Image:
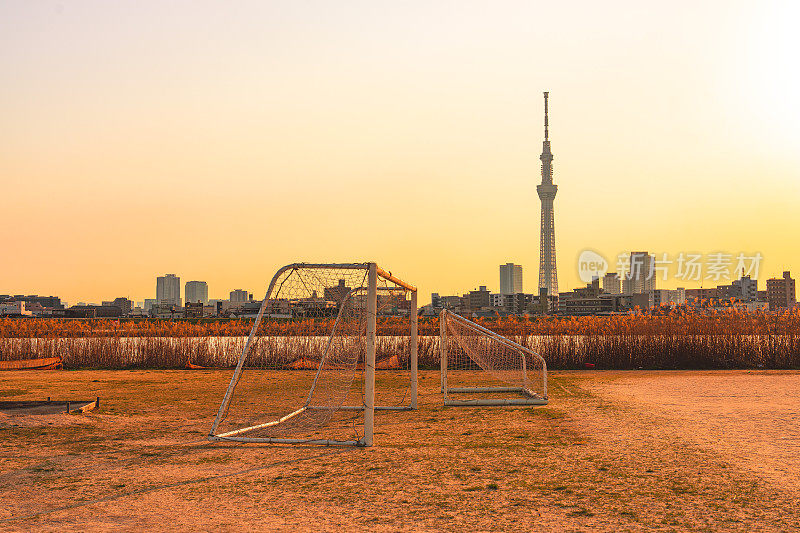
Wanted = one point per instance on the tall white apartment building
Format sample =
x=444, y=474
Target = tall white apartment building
x=168, y=290
x=640, y=277
x=196, y=292
x=510, y=278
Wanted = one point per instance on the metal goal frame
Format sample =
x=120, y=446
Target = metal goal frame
x=528, y=397
x=373, y=273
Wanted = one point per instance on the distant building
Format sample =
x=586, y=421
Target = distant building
x=239, y=296
x=701, y=294
x=543, y=304
x=498, y=300
x=591, y=289
x=15, y=308
x=640, y=278
x=278, y=307
x=196, y=292
x=168, y=290
x=124, y=304
x=93, y=311
x=590, y=300
x=193, y=310
x=745, y=288
x=451, y=303
x=249, y=309
x=611, y=283
x=148, y=304
x=726, y=292
x=510, y=278
x=669, y=297
x=519, y=303
x=479, y=298
x=336, y=293
x=781, y=292
x=166, y=311
x=642, y=300
x=584, y=301
x=49, y=302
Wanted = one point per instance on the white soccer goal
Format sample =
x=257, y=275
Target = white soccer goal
x=477, y=363
x=321, y=321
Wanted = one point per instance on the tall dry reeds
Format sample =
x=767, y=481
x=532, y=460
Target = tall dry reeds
x=679, y=339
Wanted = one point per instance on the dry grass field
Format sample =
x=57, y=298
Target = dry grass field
x=614, y=451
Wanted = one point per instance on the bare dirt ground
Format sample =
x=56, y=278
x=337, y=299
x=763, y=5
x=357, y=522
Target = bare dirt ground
x=614, y=451
x=752, y=418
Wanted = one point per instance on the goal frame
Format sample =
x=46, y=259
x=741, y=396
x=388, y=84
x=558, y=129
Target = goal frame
x=373, y=273
x=528, y=397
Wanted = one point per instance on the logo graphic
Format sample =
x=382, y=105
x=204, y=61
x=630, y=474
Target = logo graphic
x=591, y=265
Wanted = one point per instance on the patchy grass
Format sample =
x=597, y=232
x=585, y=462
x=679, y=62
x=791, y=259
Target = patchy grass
x=584, y=462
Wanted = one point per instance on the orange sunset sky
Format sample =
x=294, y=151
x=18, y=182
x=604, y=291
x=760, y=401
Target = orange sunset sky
x=221, y=140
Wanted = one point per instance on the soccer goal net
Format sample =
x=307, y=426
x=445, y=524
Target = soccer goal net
x=484, y=368
x=306, y=373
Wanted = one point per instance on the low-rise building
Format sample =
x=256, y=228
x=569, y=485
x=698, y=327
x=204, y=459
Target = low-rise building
x=336, y=293
x=698, y=295
x=497, y=301
x=669, y=297
x=602, y=304
x=93, y=311
x=745, y=288
x=781, y=292
x=148, y=304
x=193, y=310
x=49, y=302
x=611, y=283
x=518, y=303
x=166, y=311
x=125, y=305
x=15, y=308
x=479, y=299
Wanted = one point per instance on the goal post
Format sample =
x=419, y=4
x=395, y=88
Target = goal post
x=486, y=367
x=321, y=321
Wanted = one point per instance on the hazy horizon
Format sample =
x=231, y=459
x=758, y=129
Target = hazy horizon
x=220, y=142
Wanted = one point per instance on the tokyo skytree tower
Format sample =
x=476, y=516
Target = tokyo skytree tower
x=548, y=278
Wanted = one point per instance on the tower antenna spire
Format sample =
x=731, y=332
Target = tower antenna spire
x=545, y=116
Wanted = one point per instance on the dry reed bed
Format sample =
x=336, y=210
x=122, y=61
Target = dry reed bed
x=671, y=340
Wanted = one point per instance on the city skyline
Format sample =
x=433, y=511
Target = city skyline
x=670, y=137
x=639, y=275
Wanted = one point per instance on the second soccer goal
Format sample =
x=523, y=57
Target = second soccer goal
x=480, y=367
